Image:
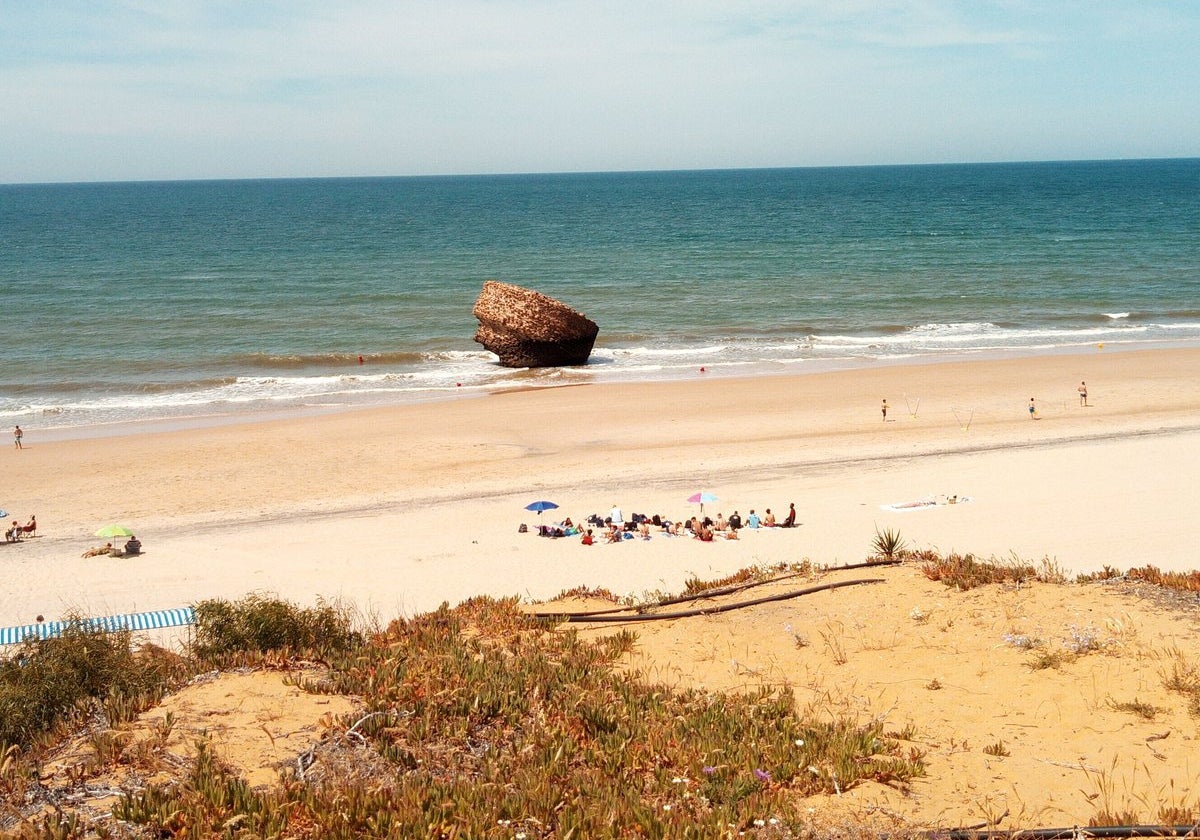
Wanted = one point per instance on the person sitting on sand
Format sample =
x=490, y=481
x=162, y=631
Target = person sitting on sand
x=14, y=533
x=706, y=534
x=97, y=552
x=133, y=545
x=790, y=520
x=753, y=520
x=769, y=519
x=722, y=524
x=735, y=521
x=731, y=534
x=644, y=529
x=587, y=538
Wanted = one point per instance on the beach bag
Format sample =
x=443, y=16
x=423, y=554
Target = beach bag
x=523, y=528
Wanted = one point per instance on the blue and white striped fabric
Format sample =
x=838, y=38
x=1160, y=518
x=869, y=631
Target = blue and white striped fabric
x=108, y=624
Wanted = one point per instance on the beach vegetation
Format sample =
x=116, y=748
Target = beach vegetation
x=1044, y=659
x=888, y=544
x=1084, y=640
x=227, y=631
x=696, y=588
x=586, y=593
x=1106, y=573
x=1146, y=711
x=1050, y=571
x=997, y=749
x=1024, y=641
x=834, y=637
x=1181, y=674
x=485, y=721
x=485, y=717
x=751, y=574
x=48, y=684
x=1079, y=641
x=966, y=571
x=1118, y=807
x=1179, y=581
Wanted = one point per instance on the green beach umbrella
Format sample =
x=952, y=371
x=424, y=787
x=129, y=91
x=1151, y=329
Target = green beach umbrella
x=114, y=531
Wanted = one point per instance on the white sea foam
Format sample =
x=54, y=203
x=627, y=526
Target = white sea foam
x=668, y=351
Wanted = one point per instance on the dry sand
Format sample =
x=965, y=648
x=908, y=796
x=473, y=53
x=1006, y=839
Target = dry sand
x=397, y=510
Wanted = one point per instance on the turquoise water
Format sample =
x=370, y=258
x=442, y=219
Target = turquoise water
x=193, y=299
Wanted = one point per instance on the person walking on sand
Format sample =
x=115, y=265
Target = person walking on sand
x=1032, y=409
x=884, y=409
x=17, y=435
x=1082, y=389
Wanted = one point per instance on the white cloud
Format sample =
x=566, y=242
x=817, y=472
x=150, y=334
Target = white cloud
x=366, y=86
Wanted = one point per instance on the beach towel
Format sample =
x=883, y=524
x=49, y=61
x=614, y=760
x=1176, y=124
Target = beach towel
x=926, y=503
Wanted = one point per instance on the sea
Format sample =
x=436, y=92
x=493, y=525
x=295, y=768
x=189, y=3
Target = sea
x=208, y=301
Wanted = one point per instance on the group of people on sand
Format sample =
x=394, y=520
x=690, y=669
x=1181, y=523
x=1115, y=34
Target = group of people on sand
x=615, y=528
x=19, y=532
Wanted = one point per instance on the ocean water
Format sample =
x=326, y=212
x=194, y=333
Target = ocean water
x=165, y=301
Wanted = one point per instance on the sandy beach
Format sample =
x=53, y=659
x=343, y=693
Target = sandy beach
x=395, y=511
x=399, y=509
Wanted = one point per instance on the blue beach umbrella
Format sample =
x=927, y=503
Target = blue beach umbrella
x=540, y=506
x=702, y=497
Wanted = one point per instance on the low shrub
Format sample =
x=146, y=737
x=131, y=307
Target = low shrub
x=227, y=631
x=966, y=571
x=45, y=682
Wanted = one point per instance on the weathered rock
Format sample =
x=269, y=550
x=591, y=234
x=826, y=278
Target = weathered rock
x=528, y=329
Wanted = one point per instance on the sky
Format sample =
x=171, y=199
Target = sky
x=98, y=90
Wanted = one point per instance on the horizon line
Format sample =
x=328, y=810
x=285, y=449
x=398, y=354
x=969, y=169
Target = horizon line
x=566, y=172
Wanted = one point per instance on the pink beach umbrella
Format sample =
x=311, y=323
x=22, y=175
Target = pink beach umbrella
x=702, y=497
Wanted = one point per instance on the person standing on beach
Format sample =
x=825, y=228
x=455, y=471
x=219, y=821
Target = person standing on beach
x=1082, y=389
x=884, y=409
x=1032, y=409
x=17, y=435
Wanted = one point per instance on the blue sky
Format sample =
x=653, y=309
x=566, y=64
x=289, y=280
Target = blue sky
x=96, y=91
